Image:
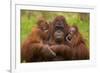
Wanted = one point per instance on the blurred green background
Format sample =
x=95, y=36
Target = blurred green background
x=29, y=19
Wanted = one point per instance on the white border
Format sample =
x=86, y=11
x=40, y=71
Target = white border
x=16, y=66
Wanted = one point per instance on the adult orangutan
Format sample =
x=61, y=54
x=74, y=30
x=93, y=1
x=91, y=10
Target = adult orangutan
x=58, y=30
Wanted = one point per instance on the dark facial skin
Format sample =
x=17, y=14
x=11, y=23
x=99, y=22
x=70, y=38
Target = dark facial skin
x=58, y=35
x=59, y=28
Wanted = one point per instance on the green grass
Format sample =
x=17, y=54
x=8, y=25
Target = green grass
x=29, y=19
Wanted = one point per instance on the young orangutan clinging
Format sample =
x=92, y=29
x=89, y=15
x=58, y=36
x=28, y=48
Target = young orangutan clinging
x=78, y=46
x=34, y=48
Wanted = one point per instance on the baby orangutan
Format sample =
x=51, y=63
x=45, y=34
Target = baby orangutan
x=78, y=46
